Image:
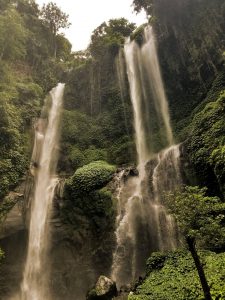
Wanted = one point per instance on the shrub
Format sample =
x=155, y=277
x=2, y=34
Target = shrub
x=90, y=177
x=94, y=154
x=155, y=262
x=76, y=158
x=177, y=278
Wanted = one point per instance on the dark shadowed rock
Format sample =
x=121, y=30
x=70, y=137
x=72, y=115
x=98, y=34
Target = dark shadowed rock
x=105, y=289
x=130, y=171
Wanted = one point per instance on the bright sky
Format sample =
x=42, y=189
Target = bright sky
x=86, y=15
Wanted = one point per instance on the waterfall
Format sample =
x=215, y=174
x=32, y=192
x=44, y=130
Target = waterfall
x=121, y=76
x=151, y=64
x=43, y=167
x=166, y=177
x=143, y=224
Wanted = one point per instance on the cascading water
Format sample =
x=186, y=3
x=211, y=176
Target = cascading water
x=143, y=224
x=151, y=71
x=121, y=75
x=166, y=177
x=44, y=162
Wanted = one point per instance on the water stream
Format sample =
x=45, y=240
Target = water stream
x=44, y=161
x=144, y=225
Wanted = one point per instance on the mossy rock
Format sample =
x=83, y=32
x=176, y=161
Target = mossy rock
x=138, y=35
x=90, y=177
x=105, y=289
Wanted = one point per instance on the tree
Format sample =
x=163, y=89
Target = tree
x=55, y=19
x=13, y=35
x=27, y=8
x=4, y=4
x=110, y=35
x=218, y=161
x=200, y=218
x=63, y=48
x=166, y=12
x=147, y=5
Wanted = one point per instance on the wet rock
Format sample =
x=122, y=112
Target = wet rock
x=125, y=288
x=12, y=214
x=105, y=289
x=131, y=171
x=122, y=297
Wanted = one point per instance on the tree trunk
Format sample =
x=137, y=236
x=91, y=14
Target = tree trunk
x=55, y=47
x=191, y=246
x=54, y=41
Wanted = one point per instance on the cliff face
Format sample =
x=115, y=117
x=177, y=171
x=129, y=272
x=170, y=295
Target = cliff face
x=97, y=123
x=28, y=71
x=191, y=44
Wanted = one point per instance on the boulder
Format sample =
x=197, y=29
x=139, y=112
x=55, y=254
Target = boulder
x=105, y=289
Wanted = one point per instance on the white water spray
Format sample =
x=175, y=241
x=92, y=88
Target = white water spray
x=150, y=63
x=35, y=279
x=144, y=224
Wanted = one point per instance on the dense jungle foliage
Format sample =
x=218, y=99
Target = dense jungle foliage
x=173, y=276
x=29, y=68
x=93, y=97
x=97, y=131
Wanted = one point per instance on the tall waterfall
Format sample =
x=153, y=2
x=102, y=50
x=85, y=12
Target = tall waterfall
x=44, y=161
x=143, y=225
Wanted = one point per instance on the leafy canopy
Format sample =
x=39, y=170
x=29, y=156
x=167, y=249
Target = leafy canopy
x=147, y=5
x=54, y=17
x=110, y=35
x=13, y=35
x=199, y=216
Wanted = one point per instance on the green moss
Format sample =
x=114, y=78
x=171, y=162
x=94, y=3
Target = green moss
x=6, y=205
x=206, y=142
